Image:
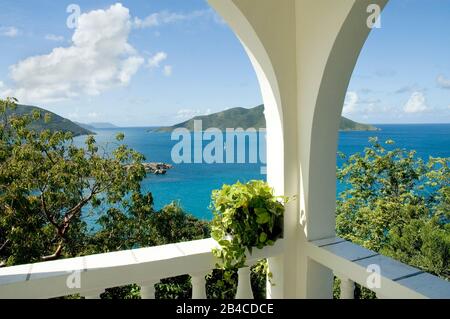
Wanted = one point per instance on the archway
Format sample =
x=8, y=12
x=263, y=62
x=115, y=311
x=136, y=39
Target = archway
x=304, y=54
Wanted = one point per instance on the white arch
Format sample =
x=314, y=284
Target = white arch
x=304, y=52
x=268, y=84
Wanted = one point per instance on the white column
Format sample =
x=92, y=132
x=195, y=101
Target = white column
x=93, y=294
x=244, y=288
x=198, y=282
x=347, y=288
x=303, y=76
x=148, y=290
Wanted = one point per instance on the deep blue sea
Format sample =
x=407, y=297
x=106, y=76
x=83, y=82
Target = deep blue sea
x=191, y=184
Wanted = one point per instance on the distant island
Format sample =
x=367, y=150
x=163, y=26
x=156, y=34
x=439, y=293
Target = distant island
x=96, y=125
x=57, y=123
x=249, y=118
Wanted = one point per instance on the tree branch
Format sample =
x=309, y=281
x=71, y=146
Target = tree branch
x=49, y=216
x=56, y=254
x=4, y=245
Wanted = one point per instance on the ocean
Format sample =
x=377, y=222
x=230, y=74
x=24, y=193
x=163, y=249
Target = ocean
x=191, y=184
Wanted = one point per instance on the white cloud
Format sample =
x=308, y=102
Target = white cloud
x=166, y=17
x=155, y=60
x=10, y=32
x=416, y=103
x=443, y=82
x=93, y=115
x=100, y=58
x=53, y=37
x=167, y=70
x=5, y=91
x=351, y=101
x=129, y=67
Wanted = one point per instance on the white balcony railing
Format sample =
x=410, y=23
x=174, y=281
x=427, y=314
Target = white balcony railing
x=145, y=267
x=89, y=276
x=385, y=276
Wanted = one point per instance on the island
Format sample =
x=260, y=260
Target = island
x=56, y=123
x=155, y=168
x=248, y=118
x=97, y=125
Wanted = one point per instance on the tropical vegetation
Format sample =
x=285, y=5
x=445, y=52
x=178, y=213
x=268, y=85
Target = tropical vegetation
x=392, y=202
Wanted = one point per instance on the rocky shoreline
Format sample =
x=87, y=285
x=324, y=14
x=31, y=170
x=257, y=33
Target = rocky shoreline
x=157, y=168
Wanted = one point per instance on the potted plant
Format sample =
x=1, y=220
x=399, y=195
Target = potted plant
x=246, y=216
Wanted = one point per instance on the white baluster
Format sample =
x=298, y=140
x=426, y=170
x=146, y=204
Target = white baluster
x=198, y=282
x=148, y=290
x=347, y=288
x=93, y=294
x=244, y=288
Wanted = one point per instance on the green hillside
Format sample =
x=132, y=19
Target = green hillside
x=246, y=118
x=57, y=123
x=349, y=125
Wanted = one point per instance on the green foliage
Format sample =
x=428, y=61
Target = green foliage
x=47, y=183
x=222, y=283
x=245, y=216
x=48, y=186
x=125, y=292
x=398, y=205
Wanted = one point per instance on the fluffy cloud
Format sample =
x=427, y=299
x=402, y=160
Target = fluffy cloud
x=100, y=58
x=443, y=82
x=167, y=70
x=5, y=91
x=53, y=37
x=165, y=17
x=351, y=101
x=416, y=103
x=10, y=32
x=155, y=61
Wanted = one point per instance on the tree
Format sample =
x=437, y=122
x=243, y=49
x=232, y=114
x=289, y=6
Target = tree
x=398, y=205
x=47, y=183
x=48, y=186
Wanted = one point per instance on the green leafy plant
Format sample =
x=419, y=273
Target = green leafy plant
x=245, y=216
x=398, y=205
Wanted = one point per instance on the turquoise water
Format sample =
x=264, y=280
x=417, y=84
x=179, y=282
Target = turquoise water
x=191, y=184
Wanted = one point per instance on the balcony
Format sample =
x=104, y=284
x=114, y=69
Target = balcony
x=303, y=53
x=146, y=266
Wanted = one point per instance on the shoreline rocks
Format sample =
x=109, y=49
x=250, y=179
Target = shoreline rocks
x=157, y=168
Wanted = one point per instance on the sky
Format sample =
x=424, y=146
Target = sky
x=160, y=62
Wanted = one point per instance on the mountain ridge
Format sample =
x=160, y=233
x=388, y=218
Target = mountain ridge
x=57, y=122
x=249, y=118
